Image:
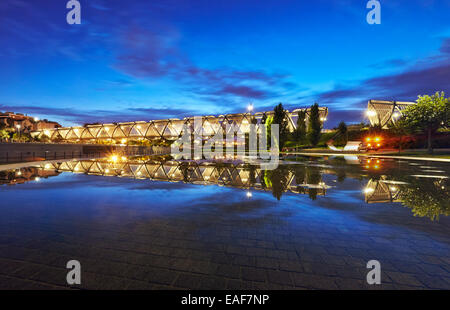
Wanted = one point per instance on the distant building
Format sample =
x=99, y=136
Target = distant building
x=25, y=123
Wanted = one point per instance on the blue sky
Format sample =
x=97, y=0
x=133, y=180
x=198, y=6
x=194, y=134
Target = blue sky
x=141, y=60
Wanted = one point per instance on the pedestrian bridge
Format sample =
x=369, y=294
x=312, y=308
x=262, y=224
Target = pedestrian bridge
x=168, y=129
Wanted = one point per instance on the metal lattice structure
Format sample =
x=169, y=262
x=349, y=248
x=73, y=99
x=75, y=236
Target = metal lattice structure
x=380, y=191
x=382, y=112
x=206, y=173
x=169, y=129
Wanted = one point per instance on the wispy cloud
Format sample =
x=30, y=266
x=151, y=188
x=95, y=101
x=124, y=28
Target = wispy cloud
x=77, y=116
x=425, y=76
x=148, y=54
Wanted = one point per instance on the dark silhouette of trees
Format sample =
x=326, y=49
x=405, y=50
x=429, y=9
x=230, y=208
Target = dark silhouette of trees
x=315, y=125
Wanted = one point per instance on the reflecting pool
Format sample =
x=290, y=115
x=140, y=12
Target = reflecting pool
x=159, y=223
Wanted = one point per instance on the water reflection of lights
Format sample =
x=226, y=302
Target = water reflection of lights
x=430, y=176
x=373, y=164
x=249, y=194
x=37, y=179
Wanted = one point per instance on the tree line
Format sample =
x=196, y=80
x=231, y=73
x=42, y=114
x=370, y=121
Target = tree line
x=308, y=131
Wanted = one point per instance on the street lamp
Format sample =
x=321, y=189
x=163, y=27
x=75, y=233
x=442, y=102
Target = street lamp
x=250, y=107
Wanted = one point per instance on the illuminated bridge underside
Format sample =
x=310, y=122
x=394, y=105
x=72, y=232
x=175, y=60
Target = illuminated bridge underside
x=383, y=112
x=168, y=129
x=234, y=175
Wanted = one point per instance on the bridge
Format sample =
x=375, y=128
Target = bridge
x=380, y=112
x=168, y=129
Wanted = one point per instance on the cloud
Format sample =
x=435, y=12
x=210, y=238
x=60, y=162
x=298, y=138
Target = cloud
x=445, y=47
x=389, y=64
x=102, y=116
x=147, y=54
x=424, y=77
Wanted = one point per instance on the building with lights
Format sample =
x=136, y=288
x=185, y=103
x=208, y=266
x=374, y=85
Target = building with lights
x=25, y=123
x=381, y=112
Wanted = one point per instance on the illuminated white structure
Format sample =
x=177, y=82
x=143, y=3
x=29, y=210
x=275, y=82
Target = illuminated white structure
x=381, y=112
x=168, y=129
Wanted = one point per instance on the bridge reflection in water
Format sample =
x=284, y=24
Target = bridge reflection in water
x=238, y=175
x=387, y=180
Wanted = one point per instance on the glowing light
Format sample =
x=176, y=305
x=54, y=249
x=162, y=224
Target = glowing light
x=106, y=170
x=393, y=188
x=368, y=139
x=36, y=119
x=250, y=107
x=123, y=158
x=249, y=195
x=18, y=126
x=377, y=139
x=376, y=166
x=46, y=132
x=371, y=113
x=368, y=190
x=37, y=179
x=114, y=158
x=19, y=173
x=47, y=166
x=123, y=141
x=396, y=115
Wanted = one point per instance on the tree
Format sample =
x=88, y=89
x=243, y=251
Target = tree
x=400, y=130
x=280, y=118
x=314, y=126
x=343, y=130
x=268, y=123
x=4, y=135
x=428, y=115
x=300, y=132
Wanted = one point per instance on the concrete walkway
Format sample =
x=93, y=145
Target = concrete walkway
x=447, y=160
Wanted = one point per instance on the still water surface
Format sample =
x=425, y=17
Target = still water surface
x=149, y=223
